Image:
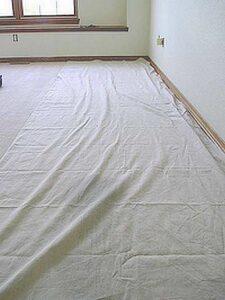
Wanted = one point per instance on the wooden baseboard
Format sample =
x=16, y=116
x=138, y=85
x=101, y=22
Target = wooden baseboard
x=213, y=135
x=20, y=60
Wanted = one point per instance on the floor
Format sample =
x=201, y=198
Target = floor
x=23, y=88
x=108, y=190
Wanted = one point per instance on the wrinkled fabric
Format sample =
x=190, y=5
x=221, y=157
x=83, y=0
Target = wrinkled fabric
x=108, y=193
x=23, y=87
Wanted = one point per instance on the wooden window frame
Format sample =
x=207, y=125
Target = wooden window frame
x=19, y=18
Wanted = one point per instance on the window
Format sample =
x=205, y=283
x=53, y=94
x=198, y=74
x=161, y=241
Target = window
x=6, y=9
x=31, y=12
x=48, y=8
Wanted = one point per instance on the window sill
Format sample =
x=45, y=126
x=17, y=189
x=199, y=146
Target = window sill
x=60, y=28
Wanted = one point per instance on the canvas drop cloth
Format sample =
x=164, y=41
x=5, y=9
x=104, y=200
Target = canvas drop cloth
x=108, y=193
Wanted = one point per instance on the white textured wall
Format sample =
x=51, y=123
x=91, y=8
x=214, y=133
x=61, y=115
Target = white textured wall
x=135, y=42
x=103, y=12
x=194, y=54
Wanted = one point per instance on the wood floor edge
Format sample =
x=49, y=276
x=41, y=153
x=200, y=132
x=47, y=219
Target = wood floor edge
x=191, y=109
x=20, y=60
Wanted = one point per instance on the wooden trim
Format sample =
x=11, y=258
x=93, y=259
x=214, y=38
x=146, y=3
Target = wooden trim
x=60, y=28
x=212, y=134
x=16, y=4
x=38, y=20
x=18, y=60
x=76, y=8
x=102, y=28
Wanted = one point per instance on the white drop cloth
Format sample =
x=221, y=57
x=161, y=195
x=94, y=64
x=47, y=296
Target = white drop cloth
x=108, y=193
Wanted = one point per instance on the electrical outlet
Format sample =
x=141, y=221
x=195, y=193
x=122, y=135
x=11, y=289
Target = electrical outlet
x=160, y=41
x=15, y=38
